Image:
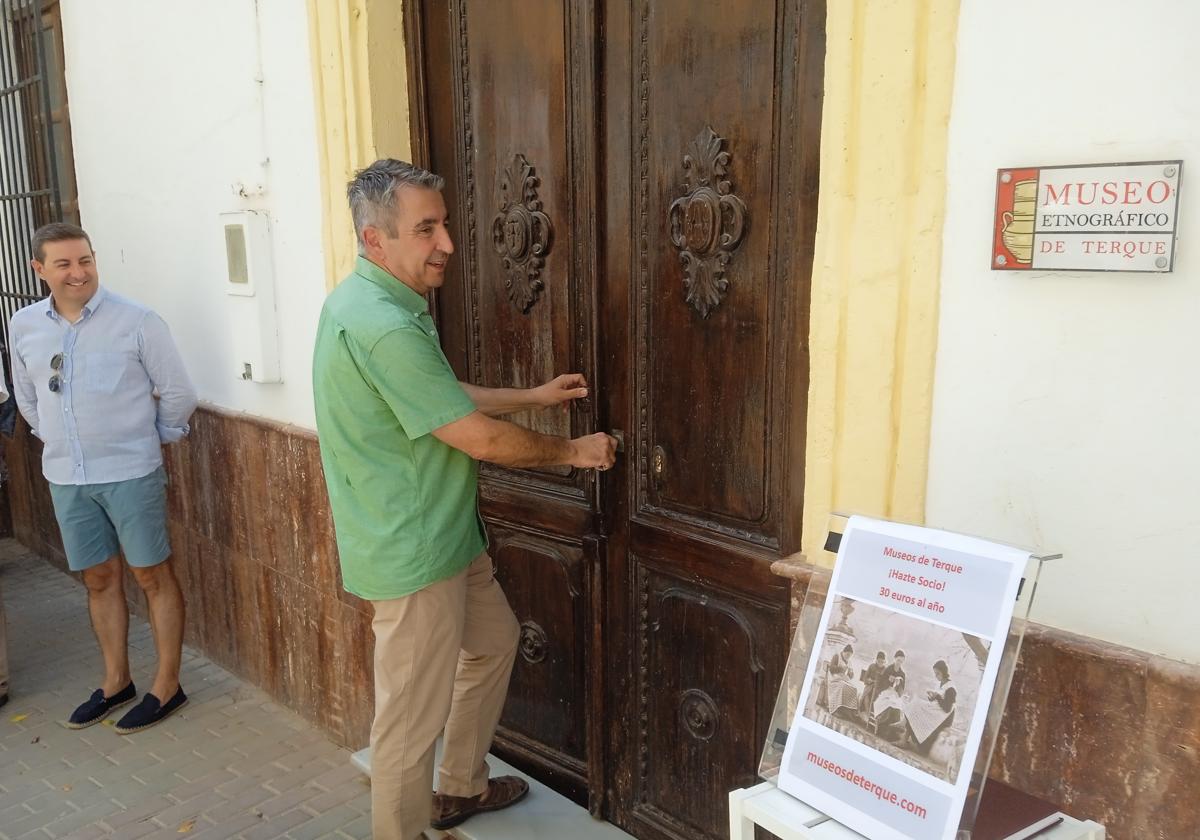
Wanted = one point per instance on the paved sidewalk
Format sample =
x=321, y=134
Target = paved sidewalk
x=230, y=764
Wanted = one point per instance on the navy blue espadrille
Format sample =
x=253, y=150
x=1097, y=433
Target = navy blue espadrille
x=149, y=712
x=98, y=707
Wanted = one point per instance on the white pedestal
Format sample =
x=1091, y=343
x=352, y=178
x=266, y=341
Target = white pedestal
x=790, y=819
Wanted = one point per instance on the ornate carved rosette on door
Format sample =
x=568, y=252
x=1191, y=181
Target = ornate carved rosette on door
x=522, y=234
x=707, y=224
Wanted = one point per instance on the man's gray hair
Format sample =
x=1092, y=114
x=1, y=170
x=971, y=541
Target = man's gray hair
x=372, y=193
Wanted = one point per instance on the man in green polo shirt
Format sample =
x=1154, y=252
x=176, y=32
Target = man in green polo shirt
x=400, y=440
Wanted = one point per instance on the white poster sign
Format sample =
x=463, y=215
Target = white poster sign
x=896, y=695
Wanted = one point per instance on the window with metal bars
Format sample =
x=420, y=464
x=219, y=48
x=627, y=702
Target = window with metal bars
x=37, y=170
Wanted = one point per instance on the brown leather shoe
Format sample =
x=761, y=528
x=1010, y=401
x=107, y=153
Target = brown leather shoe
x=502, y=791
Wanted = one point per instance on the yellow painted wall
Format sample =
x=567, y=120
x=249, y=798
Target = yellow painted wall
x=361, y=97
x=888, y=80
x=889, y=73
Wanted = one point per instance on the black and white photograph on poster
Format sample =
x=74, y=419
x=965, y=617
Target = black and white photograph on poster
x=903, y=686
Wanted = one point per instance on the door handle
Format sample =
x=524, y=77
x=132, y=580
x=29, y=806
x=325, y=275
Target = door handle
x=620, y=436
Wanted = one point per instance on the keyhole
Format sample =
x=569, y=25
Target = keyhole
x=659, y=460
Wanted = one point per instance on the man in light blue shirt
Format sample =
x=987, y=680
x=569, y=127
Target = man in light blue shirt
x=99, y=381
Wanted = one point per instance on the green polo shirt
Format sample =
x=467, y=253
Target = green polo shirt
x=404, y=503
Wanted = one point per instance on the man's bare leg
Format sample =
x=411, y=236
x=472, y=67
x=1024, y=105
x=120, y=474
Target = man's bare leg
x=110, y=621
x=166, y=607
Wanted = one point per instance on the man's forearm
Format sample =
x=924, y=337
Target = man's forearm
x=510, y=445
x=25, y=393
x=495, y=402
x=175, y=407
x=31, y=417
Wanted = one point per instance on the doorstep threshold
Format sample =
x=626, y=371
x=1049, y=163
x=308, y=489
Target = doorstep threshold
x=544, y=814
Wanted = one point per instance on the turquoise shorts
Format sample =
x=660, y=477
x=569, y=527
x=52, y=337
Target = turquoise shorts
x=98, y=520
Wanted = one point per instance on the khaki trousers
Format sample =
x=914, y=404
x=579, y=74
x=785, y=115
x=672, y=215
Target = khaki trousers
x=443, y=656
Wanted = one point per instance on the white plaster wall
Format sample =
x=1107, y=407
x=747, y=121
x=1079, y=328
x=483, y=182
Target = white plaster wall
x=166, y=116
x=1067, y=405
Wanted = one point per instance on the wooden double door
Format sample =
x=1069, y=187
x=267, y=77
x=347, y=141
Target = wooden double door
x=634, y=189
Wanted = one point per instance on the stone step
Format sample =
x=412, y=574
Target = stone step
x=543, y=815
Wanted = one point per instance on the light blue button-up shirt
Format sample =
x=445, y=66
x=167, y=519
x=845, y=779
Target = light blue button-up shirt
x=104, y=423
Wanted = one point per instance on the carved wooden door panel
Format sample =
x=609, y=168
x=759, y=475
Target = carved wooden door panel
x=711, y=139
x=634, y=187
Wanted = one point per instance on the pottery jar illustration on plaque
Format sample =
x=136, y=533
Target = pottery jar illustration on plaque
x=1018, y=224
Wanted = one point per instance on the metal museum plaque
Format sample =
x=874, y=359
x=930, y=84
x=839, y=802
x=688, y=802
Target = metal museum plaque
x=1091, y=217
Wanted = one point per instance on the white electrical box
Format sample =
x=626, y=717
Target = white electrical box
x=250, y=294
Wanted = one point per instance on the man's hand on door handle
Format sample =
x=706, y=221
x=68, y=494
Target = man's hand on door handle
x=561, y=390
x=598, y=451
